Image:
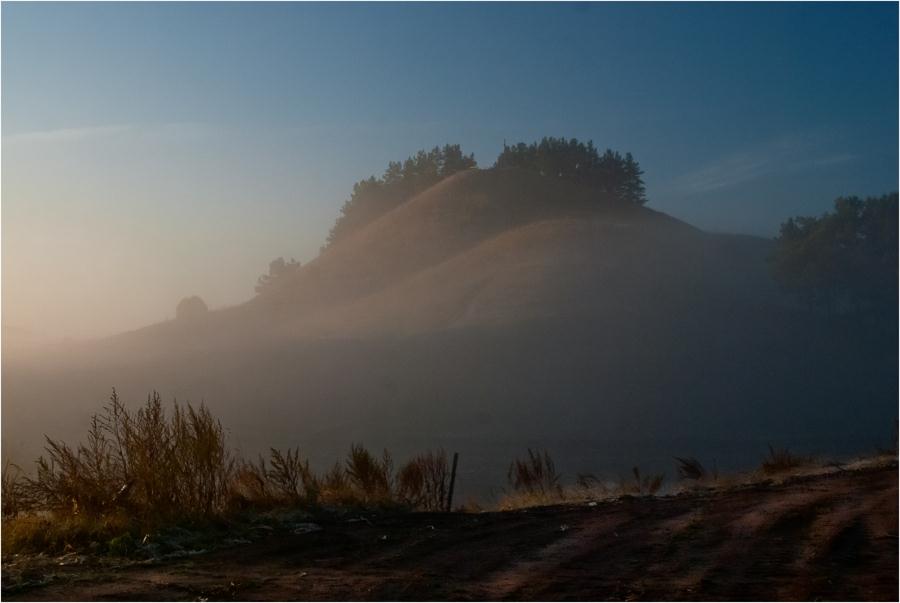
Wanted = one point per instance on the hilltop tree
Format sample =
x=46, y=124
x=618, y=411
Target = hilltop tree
x=401, y=180
x=613, y=174
x=278, y=270
x=845, y=260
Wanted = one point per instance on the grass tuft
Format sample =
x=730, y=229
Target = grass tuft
x=536, y=475
x=641, y=485
x=690, y=468
x=781, y=460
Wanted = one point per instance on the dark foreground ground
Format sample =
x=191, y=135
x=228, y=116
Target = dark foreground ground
x=832, y=537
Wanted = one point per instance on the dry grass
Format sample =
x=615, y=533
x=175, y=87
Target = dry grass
x=689, y=468
x=136, y=471
x=362, y=481
x=535, y=482
x=782, y=460
x=336, y=488
x=104, y=495
x=287, y=480
x=641, y=485
x=292, y=478
x=589, y=487
x=153, y=465
x=535, y=475
x=160, y=468
x=370, y=478
x=141, y=471
x=423, y=482
x=15, y=496
x=250, y=486
x=55, y=533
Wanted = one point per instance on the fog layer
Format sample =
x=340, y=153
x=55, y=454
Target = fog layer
x=497, y=306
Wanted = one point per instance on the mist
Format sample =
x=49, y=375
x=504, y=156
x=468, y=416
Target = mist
x=106, y=229
x=493, y=310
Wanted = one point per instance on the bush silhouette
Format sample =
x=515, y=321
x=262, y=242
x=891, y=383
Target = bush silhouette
x=190, y=308
x=279, y=271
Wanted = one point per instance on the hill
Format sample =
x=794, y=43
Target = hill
x=488, y=247
x=496, y=308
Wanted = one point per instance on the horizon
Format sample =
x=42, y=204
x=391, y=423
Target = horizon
x=166, y=150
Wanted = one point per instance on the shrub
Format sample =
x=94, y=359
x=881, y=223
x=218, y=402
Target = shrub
x=153, y=465
x=371, y=479
x=202, y=465
x=81, y=480
x=336, y=488
x=423, y=482
x=191, y=308
x=279, y=273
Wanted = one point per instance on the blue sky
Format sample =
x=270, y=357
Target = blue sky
x=170, y=149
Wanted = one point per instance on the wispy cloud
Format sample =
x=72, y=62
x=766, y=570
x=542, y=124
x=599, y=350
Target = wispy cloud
x=779, y=156
x=67, y=134
x=724, y=173
x=826, y=161
x=80, y=134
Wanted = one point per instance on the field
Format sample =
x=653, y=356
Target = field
x=827, y=535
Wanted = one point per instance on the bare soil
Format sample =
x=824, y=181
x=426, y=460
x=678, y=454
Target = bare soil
x=824, y=537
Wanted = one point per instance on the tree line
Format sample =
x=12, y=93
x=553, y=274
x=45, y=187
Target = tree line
x=844, y=261
x=616, y=177
x=613, y=174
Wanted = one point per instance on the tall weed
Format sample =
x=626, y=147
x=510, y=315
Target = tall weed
x=535, y=475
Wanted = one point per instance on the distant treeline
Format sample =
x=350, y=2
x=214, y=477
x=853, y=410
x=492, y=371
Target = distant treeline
x=844, y=261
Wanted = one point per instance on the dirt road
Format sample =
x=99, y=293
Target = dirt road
x=826, y=537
